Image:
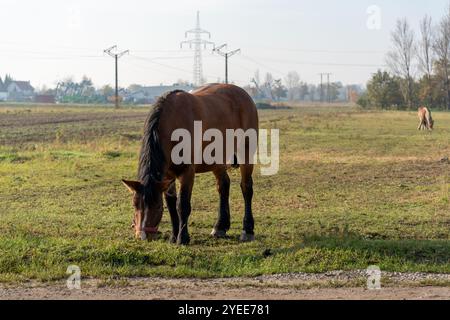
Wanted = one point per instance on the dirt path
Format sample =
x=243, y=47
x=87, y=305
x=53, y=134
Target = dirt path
x=334, y=286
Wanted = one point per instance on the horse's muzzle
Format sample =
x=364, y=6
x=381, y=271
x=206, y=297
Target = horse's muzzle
x=141, y=236
x=148, y=234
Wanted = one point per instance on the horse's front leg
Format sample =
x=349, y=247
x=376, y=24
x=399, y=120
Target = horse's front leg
x=171, y=201
x=184, y=205
x=248, y=234
x=420, y=125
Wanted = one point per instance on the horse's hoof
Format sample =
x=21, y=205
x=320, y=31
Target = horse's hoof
x=184, y=240
x=246, y=237
x=218, y=234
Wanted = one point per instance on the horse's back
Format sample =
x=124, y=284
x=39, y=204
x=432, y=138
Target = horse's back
x=228, y=92
x=227, y=103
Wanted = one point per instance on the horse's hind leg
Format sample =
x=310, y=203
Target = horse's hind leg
x=422, y=126
x=184, y=205
x=223, y=187
x=248, y=233
x=171, y=201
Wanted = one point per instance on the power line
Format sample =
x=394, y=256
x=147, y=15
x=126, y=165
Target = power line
x=167, y=66
x=315, y=50
x=163, y=58
x=116, y=57
x=263, y=65
x=332, y=64
x=140, y=67
x=15, y=56
x=160, y=64
x=158, y=51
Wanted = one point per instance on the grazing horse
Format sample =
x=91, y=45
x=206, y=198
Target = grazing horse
x=219, y=107
x=425, y=118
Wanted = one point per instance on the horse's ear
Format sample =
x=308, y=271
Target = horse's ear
x=132, y=186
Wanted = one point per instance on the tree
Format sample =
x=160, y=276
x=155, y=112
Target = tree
x=442, y=50
x=8, y=80
x=383, y=91
x=363, y=101
x=425, y=52
x=107, y=91
x=400, y=59
x=69, y=91
x=257, y=78
x=293, y=84
x=268, y=84
x=186, y=83
x=426, y=59
x=260, y=94
x=312, y=92
x=135, y=87
x=278, y=90
x=334, y=90
x=303, y=91
x=86, y=89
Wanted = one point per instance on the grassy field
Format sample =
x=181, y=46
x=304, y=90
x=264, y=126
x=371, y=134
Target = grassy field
x=355, y=189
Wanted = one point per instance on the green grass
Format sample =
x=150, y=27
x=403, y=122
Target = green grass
x=355, y=189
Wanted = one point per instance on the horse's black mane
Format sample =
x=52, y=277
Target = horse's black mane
x=152, y=160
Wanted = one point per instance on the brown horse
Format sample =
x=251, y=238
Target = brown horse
x=426, y=121
x=219, y=107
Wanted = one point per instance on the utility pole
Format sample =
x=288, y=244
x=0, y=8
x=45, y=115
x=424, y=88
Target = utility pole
x=321, y=87
x=198, y=42
x=227, y=55
x=116, y=57
x=328, y=86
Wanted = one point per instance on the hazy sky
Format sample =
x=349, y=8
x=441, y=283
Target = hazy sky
x=48, y=40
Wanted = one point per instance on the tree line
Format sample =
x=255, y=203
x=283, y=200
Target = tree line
x=293, y=89
x=418, y=68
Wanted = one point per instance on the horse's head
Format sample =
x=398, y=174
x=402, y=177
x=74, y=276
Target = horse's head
x=148, y=209
x=431, y=124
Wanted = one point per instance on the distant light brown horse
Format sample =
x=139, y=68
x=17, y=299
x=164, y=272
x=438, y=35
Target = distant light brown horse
x=218, y=107
x=426, y=121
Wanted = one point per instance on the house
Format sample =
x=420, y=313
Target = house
x=3, y=91
x=148, y=95
x=20, y=91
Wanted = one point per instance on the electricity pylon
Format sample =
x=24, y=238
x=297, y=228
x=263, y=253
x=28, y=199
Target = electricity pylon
x=198, y=43
x=328, y=87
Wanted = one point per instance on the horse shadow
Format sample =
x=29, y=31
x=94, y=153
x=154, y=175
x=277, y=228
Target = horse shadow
x=407, y=252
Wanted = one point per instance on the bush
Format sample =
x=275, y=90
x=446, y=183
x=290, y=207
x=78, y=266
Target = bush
x=363, y=101
x=268, y=106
